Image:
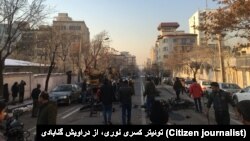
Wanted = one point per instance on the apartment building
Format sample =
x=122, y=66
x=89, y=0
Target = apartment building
x=194, y=22
x=171, y=39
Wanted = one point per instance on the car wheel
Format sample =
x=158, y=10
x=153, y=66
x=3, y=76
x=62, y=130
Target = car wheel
x=235, y=99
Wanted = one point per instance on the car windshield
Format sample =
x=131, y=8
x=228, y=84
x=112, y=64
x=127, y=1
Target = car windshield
x=62, y=88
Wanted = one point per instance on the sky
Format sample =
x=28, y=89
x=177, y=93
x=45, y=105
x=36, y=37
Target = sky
x=131, y=24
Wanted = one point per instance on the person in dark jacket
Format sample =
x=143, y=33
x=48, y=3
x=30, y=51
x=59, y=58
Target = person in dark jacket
x=151, y=93
x=125, y=97
x=21, y=90
x=34, y=95
x=177, y=87
x=14, y=91
x=6, y=92
x=243, y=111
x=47, y=110
x=159, y=113
x=220, y=100
x=106, y=97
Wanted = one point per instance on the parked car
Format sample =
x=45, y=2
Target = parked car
x=228, y=87
x=243, y=94
x=65, y=93
x=205, y=84
x=168, y=81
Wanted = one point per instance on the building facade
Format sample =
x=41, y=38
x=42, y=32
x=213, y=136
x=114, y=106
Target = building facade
x=194, y=22
x=170, y=40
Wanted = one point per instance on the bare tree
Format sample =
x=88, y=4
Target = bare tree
x=193, y=59
x=65, y=43
x=15, y=17
x=52, y=51
x=93, y=50
x=233, y=16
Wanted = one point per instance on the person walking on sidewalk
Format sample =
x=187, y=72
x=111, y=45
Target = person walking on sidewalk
x=14, y=91
x=220, y=100
x=34, y=95
x=125, y=97
x=195, y=91
x=177, y=87
x=106, y=97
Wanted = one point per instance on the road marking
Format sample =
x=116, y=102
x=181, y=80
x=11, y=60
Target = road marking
x=142, y=102
x=31, y=129
x=69, y=114
x=236, y=121
x=60, y=114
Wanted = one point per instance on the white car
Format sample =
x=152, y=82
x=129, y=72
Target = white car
x=228, y=87
x=243, y=94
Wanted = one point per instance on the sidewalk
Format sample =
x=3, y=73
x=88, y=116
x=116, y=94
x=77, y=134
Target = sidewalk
x=25, y=103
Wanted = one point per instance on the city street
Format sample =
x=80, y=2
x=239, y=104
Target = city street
x=71, y=115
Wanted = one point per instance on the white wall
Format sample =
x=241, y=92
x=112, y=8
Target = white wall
x=33, y=79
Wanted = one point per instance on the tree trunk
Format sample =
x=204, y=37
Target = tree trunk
x=1, y=78
x=51, y=67
x=195, y=72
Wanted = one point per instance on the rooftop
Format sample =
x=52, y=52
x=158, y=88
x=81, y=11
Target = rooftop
x=13, y=62
x=168, y=24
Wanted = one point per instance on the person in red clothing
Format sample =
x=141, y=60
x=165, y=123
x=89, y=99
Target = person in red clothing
x=196, y=93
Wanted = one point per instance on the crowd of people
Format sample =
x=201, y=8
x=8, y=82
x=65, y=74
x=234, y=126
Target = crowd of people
x=17, y=90
x=123, y=91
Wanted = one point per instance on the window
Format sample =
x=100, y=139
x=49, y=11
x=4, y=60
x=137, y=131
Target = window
x=164, y=48
x=183, y=40
x=63, y=27
x=243, y=52
x=74, y=27
x=225, y=86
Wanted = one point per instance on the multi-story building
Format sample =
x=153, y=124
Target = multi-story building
x=79, y=33
x=194, y=22
x=169, y=40
x=129, y=63
x=64, y=23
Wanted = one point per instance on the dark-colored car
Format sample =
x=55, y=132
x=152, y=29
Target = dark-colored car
x=65, y=93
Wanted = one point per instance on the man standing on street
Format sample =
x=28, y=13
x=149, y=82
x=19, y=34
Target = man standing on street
x=196, y=93
x=34, y=95
x=177, y=87
x=150, y=92
x=106, y=97
x=220, y=100
x=125, y=97
x=21, y=90
x=47, y=111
